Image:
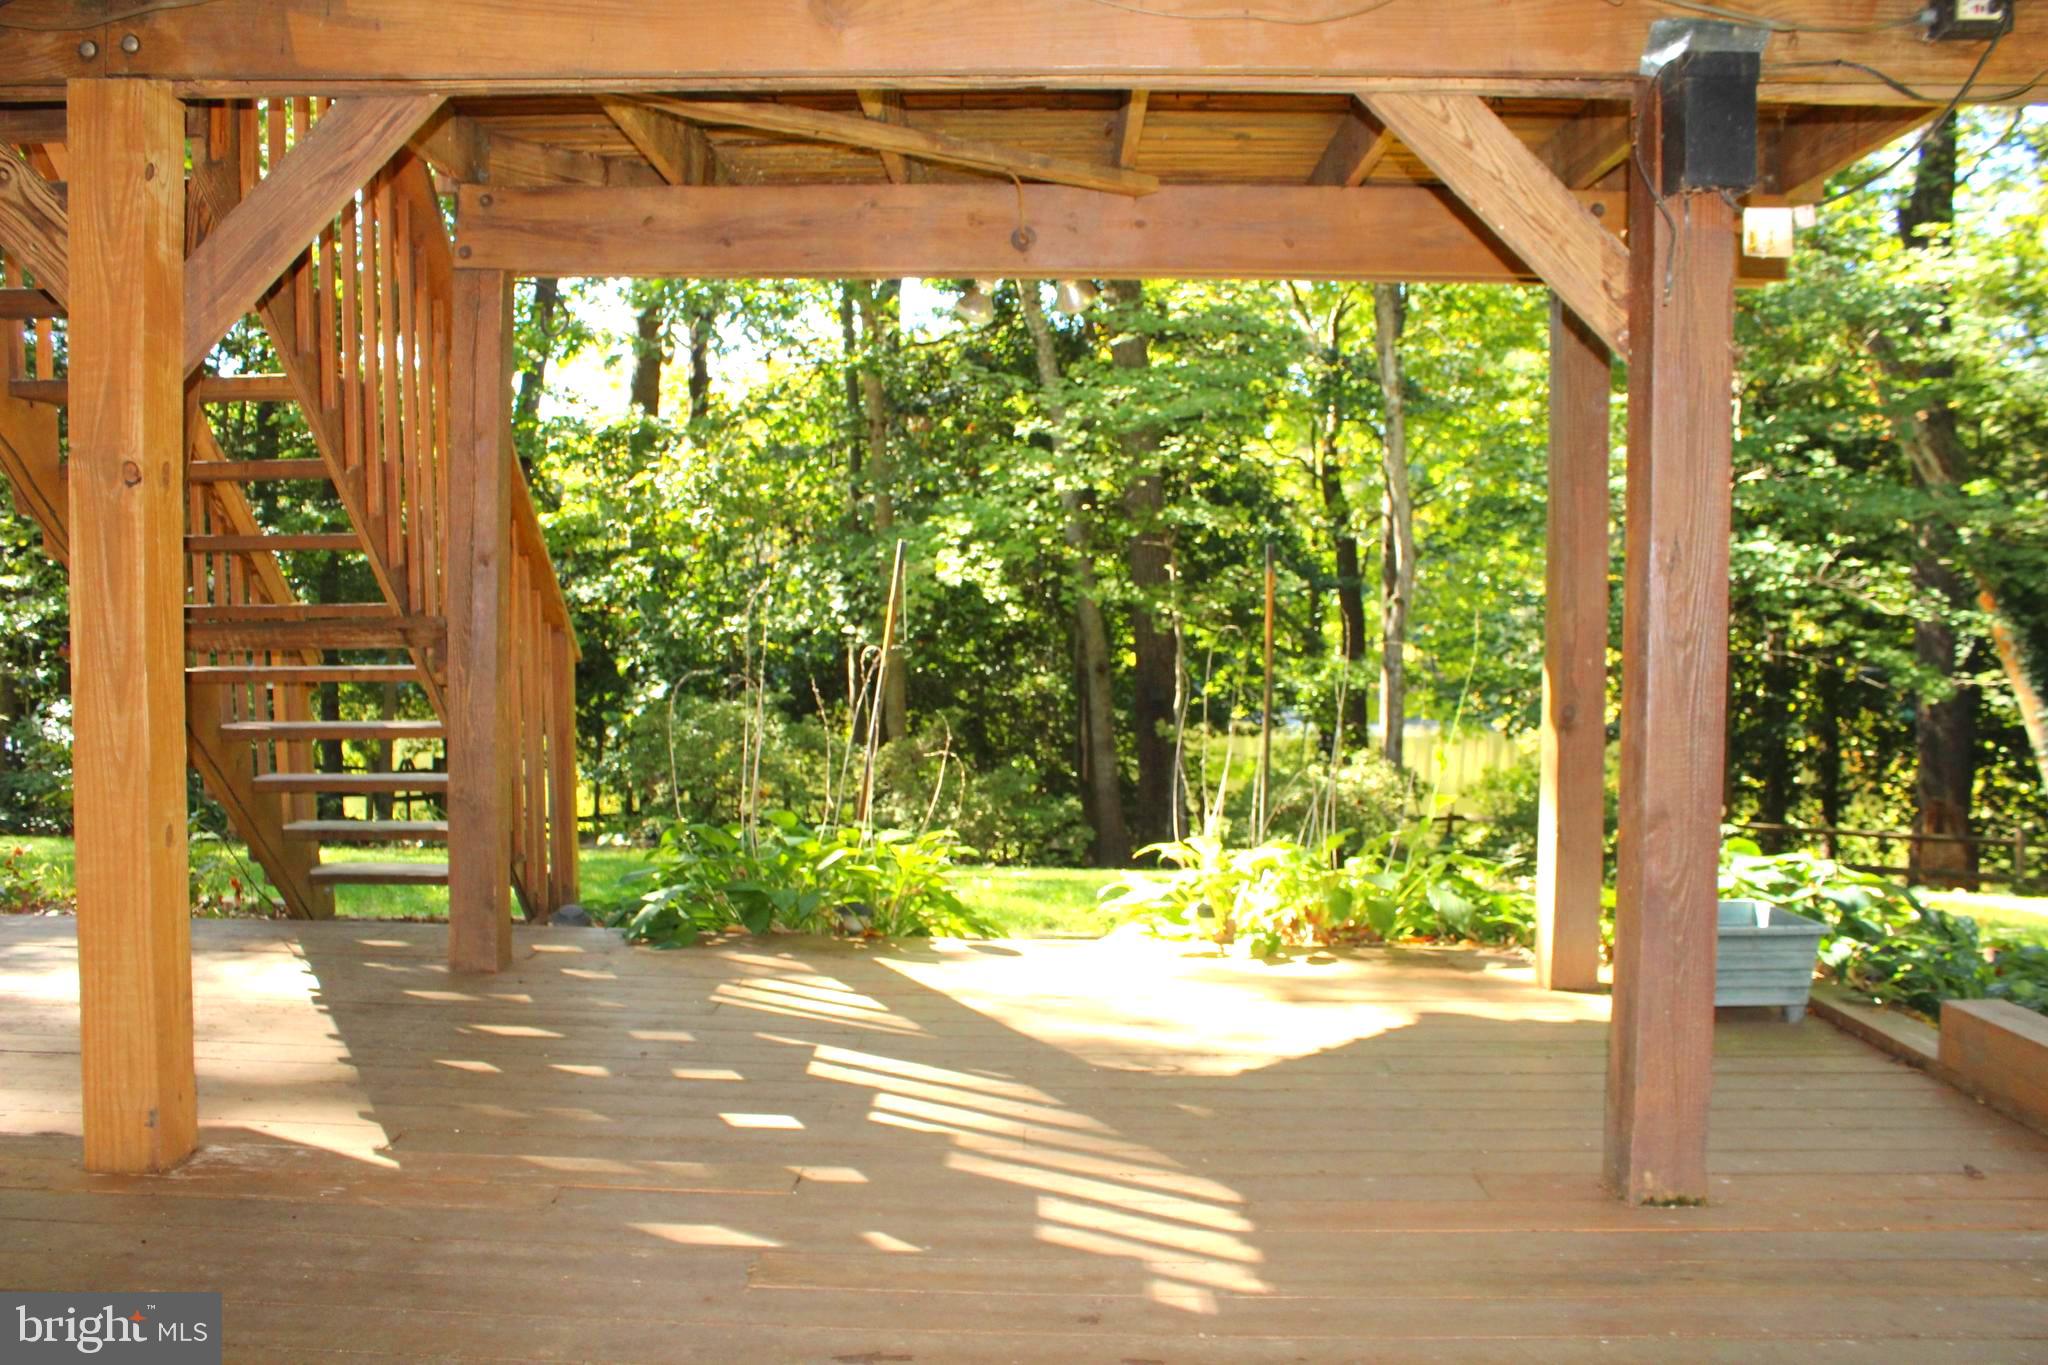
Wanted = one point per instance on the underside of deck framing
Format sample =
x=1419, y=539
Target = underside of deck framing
x=804, y=1151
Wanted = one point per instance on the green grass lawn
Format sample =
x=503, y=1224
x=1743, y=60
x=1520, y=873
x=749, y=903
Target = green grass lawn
x=2023, y=917
x=1022, y=902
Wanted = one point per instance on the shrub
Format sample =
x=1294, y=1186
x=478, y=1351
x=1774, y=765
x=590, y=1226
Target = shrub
x=1262, y=899
x=1410, y=886
x=1882, y=941
x=785, y=874
x=1280, y=894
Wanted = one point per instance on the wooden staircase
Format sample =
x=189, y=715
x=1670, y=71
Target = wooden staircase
x=361, y=325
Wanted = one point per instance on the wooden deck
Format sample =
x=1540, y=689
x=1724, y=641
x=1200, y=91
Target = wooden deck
x=1031, y=1152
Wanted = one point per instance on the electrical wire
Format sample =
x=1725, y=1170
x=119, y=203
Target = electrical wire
x=1250, y=16
x=1926, y=136
x=122, y=17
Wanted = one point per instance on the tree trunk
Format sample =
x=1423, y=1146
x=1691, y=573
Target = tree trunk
x=1101, y=784
x=1774, y=800
x=1945, y=742
x=647, y=359
x=1149, y=553
x=878, y=321
x=1944, y=719
x=1397, y=535
x=547, y=296
x=702, y=326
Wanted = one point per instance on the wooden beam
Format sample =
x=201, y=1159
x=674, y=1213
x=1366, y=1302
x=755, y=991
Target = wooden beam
x=1558, y=49
x=1516, y=195
x=243, y=256
x=849, y=130
x=679, y=151
x=481, y=740
x=1807, y=150
x=127, y=627
x=1128, y=130
x=1571, y=844
x=1354, y=151
x=884, y=106
x=1674, y=679
x=33, y=225
x=18, y=305
x=1586, y=148
x=965, y=231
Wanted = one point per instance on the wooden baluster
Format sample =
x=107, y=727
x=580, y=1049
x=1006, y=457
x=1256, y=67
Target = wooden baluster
x=273, y=128
x=302, y=271
x=562, y=795
x=408, y=345
x=537, y=874
x=370, y=290
x=443, y=356
x=389, y=359
x=350, y=336
x=14, y=350
x=327, y=285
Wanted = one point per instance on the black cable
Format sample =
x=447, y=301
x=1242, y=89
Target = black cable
x=1926, y=136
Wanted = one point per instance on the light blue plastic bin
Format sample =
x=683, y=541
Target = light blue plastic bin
x=1767, y=956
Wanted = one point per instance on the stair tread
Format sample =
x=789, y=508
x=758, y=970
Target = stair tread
x=368, y=831
x=303, y=673
x=352, y=782
x=334, y=729
x=381, y=874
x=281, y=541
x=255, y=471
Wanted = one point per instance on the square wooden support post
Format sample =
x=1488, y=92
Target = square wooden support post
x=127, y=205
x=1674, y=681
x=1571, y=847
x=482, y=742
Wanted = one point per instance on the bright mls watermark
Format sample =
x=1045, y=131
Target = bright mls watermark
x=168, y=1329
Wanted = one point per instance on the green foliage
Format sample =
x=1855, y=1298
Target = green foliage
x=1259, y=900
x=1410, y=886
x=785, y=874
x=1279, y=894
x=1883, y=941
x=25, y=887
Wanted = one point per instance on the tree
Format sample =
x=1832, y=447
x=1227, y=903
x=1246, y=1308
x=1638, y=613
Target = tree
x=1101, y=785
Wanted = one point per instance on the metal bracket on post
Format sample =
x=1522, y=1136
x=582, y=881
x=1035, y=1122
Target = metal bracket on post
x=1706, y=75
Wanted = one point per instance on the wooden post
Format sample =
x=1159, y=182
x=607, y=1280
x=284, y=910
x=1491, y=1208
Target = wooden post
x=481, y=736
x=1674, y=681
x=562, y=767
x=1571, y=842
x=127, y=142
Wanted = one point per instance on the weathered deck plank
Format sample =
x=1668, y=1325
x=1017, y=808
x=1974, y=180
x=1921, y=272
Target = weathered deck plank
x=1020, y=1152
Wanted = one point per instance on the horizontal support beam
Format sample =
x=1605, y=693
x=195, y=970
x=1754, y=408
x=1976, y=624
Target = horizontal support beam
x=834, y=231
x=1568, y=48
x=18, y=305
x=213, y=388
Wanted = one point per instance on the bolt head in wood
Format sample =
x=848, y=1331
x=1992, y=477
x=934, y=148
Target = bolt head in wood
x=88, y=49
x=130, y=44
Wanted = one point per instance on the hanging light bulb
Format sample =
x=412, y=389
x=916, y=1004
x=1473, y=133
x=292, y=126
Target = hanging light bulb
x=1074, y=297
x=975, y=307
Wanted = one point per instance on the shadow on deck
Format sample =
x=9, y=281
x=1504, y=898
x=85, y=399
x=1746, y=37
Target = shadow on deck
x=1036, y=1151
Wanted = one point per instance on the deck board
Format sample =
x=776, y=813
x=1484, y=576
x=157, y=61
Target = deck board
x=1032, y=1152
